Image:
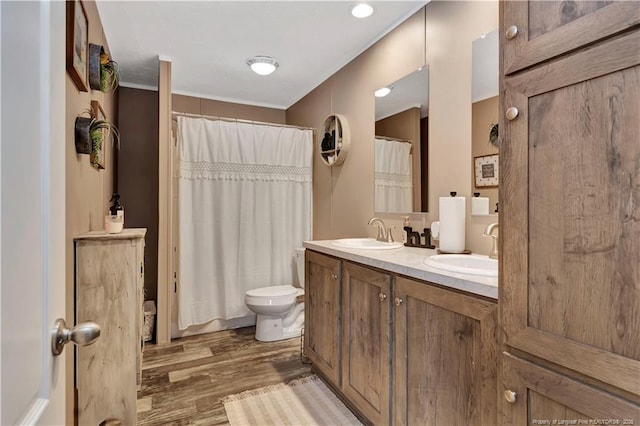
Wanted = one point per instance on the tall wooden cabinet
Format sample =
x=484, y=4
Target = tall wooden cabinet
x=570, y=211
x=109, y=291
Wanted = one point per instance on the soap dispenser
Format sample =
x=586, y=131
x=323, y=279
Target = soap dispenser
x=114, y=221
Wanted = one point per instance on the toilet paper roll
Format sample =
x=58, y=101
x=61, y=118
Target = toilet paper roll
x=452, y=224
x=480, y=206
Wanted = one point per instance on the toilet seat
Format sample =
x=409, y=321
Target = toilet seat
x=279, y=294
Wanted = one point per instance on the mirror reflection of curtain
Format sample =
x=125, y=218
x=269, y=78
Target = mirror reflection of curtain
x=393, y=186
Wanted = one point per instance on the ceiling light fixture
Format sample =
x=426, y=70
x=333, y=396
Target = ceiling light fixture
x=263, y=65
x=362, y=10
x=383, y=91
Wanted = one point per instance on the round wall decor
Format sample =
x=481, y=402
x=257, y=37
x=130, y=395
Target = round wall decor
x=334, y=140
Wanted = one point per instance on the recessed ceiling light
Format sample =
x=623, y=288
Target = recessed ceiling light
x=383, y=91
x=362, y=10
x=263, y=65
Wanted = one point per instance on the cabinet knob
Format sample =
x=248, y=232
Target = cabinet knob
x=397, y=301
x=510, y=396
x=382, y=296
x=512, y=113
x=334, y=276
x=512, y=32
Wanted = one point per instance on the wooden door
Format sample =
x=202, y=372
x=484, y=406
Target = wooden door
x=547, y=29
x=32, y=212
x=542, y=396
x=322, y=314
x=445, y=357
x=570, y=189
x=366, y=340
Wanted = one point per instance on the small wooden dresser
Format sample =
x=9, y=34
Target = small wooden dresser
x=109, y=287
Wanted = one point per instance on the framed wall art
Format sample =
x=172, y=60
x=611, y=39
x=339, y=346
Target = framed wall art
x=77, y=43
x=486, y=171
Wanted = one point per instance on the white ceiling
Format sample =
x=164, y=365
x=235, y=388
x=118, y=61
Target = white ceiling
x=208, y=43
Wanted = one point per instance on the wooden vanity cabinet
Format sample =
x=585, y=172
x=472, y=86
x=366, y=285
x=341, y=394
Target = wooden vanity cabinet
x=366, y=340
x=444, y=362
x=409, y=352
x=570, y=234
x=109, y=291
x=322, y=314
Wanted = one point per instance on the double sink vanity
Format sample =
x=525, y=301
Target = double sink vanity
x=402, y=334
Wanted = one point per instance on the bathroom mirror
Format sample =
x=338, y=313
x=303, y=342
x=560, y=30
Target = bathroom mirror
x=400, y=144
x=484, y=119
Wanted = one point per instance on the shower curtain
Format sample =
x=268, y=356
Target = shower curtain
x=244, y=207
x=393, y=185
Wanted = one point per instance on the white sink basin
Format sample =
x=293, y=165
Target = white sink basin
x=464, y=264
x=365, y=244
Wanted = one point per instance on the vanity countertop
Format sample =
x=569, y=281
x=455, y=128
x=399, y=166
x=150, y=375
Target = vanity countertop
x=409, y=261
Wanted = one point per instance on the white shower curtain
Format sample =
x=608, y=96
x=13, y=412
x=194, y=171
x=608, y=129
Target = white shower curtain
x=244, y=207
x=393, y=184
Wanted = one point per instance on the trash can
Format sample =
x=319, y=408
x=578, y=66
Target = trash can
x=149, y=320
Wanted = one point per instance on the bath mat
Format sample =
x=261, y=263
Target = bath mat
x=302, y=402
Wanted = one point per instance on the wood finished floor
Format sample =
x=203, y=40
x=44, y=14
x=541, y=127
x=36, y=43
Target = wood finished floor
x=182, y=383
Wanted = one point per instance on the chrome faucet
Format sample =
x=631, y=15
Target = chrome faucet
x=488, y=232
x=382, y=230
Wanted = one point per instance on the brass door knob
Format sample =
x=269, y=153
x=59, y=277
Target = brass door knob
x=512, y=32
x=382, y=296
x=397, y=301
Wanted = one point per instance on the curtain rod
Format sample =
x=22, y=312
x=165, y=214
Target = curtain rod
x=389, y=138
x=237, y=120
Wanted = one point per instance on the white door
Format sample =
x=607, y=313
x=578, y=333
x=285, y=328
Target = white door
x=32, y=195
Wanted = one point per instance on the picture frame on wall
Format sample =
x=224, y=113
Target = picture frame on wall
x=486, y=171
x=77, y=44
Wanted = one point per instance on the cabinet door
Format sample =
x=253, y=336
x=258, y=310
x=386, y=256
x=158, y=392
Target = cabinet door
x=445, y=361
x=322, y=314
x=536, y=395
x=570, y=212
x=547, y=29
x=366, y=342
x=106, y=292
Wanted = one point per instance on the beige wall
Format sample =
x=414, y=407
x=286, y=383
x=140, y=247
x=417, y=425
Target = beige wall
x=87, y=190
x=406, y=125
x=193, y=105
x=343, y=195
x=484, y=115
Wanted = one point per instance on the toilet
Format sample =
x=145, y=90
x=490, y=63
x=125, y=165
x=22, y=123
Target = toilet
x=279, y=317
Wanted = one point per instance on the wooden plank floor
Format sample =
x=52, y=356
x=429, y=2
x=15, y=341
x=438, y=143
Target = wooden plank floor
x=182, y=383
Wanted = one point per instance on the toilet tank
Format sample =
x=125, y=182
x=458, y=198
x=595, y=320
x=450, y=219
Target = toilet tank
x=299, y=256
